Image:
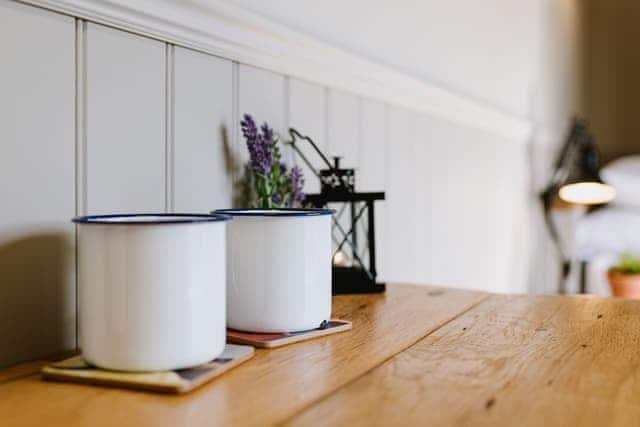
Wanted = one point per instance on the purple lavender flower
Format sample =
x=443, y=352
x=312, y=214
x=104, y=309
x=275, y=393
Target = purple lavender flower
x=260, y=145
x=297, y=184
x=267, y=134
x=249, y=128
x=275, y=184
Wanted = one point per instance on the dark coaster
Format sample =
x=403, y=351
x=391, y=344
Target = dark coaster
x=77, y=370
x=272, y=340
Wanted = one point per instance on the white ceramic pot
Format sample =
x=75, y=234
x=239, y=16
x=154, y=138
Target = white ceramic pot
x=151, y=290
x=279, y=269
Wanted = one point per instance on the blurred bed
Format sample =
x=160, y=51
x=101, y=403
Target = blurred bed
x=605, y=233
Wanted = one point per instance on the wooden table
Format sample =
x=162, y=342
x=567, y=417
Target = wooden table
x=415, y=356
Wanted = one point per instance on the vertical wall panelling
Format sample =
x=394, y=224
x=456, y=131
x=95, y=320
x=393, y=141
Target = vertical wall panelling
x=343, y=140
x=467, y=206
x=343, y=137
x=431, y=180
x=81, y=124
x=521, y=206
x=125, y=116
x=261, y=93
x=237, y=173
x=80, y=141
x=402, y=196
x=203, y=111
x=307, y=113
x=287, y=151
x=37, y=291
x=169, y=129
x=373, y=162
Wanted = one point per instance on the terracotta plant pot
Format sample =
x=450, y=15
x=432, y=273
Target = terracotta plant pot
x=624, y=285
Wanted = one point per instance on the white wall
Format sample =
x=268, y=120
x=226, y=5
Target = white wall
x=37, y=266
x=522, y=57
x=150, y=125
x=486, y=49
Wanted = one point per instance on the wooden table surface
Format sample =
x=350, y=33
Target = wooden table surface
x=415, y=356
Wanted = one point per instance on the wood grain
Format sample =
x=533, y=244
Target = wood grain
x=21, y=370
x=509, y=361
x=269, y=389
x=26, y=369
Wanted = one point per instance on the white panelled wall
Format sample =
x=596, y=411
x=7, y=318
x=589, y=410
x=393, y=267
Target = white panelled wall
x=154, y=127
x=200, y=138
x=308, y=114
x=124, y=114
x=37, y=121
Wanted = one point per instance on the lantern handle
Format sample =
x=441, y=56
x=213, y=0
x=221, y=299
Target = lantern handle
x=294, y=135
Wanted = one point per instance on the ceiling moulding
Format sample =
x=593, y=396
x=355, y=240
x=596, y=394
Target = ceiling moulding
x=229, y=31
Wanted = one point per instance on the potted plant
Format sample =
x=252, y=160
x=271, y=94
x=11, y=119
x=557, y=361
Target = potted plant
x=624, y=278
x=279, y=254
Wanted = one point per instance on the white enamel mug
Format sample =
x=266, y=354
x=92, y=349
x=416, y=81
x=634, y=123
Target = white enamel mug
x=279, y=269
x=151, y=290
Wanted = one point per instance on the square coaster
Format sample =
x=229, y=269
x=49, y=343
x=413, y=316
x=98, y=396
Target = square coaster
x=77, y=370
x=272, y=340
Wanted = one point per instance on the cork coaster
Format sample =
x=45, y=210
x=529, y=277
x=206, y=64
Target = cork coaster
x=77, y=370
x=273, y=340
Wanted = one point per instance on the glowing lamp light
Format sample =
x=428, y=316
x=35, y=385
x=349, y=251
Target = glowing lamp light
x=587, y=193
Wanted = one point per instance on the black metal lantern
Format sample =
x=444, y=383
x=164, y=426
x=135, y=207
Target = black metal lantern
x=353, y=270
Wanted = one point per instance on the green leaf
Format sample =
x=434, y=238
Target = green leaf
x=629, y=264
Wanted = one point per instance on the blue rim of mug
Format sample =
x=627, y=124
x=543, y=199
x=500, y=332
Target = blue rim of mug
x=275, y=212
x=138, y=219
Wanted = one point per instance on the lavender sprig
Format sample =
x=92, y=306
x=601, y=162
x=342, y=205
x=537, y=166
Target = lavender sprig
x=273, y=185
x=259, y=145
x=297, y=184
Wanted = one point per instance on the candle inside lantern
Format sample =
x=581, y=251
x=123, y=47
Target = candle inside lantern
x=340, y=259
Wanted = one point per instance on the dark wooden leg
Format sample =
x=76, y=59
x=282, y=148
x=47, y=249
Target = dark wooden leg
x=371, y=236
x=583, y=277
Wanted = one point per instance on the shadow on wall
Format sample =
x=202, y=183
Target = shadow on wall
x=37, y=296
x=240, y=174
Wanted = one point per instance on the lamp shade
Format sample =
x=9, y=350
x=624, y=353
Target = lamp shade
x=580, y=181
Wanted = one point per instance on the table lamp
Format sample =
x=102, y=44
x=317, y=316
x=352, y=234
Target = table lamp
x=576, y=180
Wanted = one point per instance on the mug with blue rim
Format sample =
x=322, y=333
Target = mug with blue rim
x=279, y=269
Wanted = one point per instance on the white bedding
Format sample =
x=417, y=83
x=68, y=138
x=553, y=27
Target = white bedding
x=608, y=231
x=624, y=175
